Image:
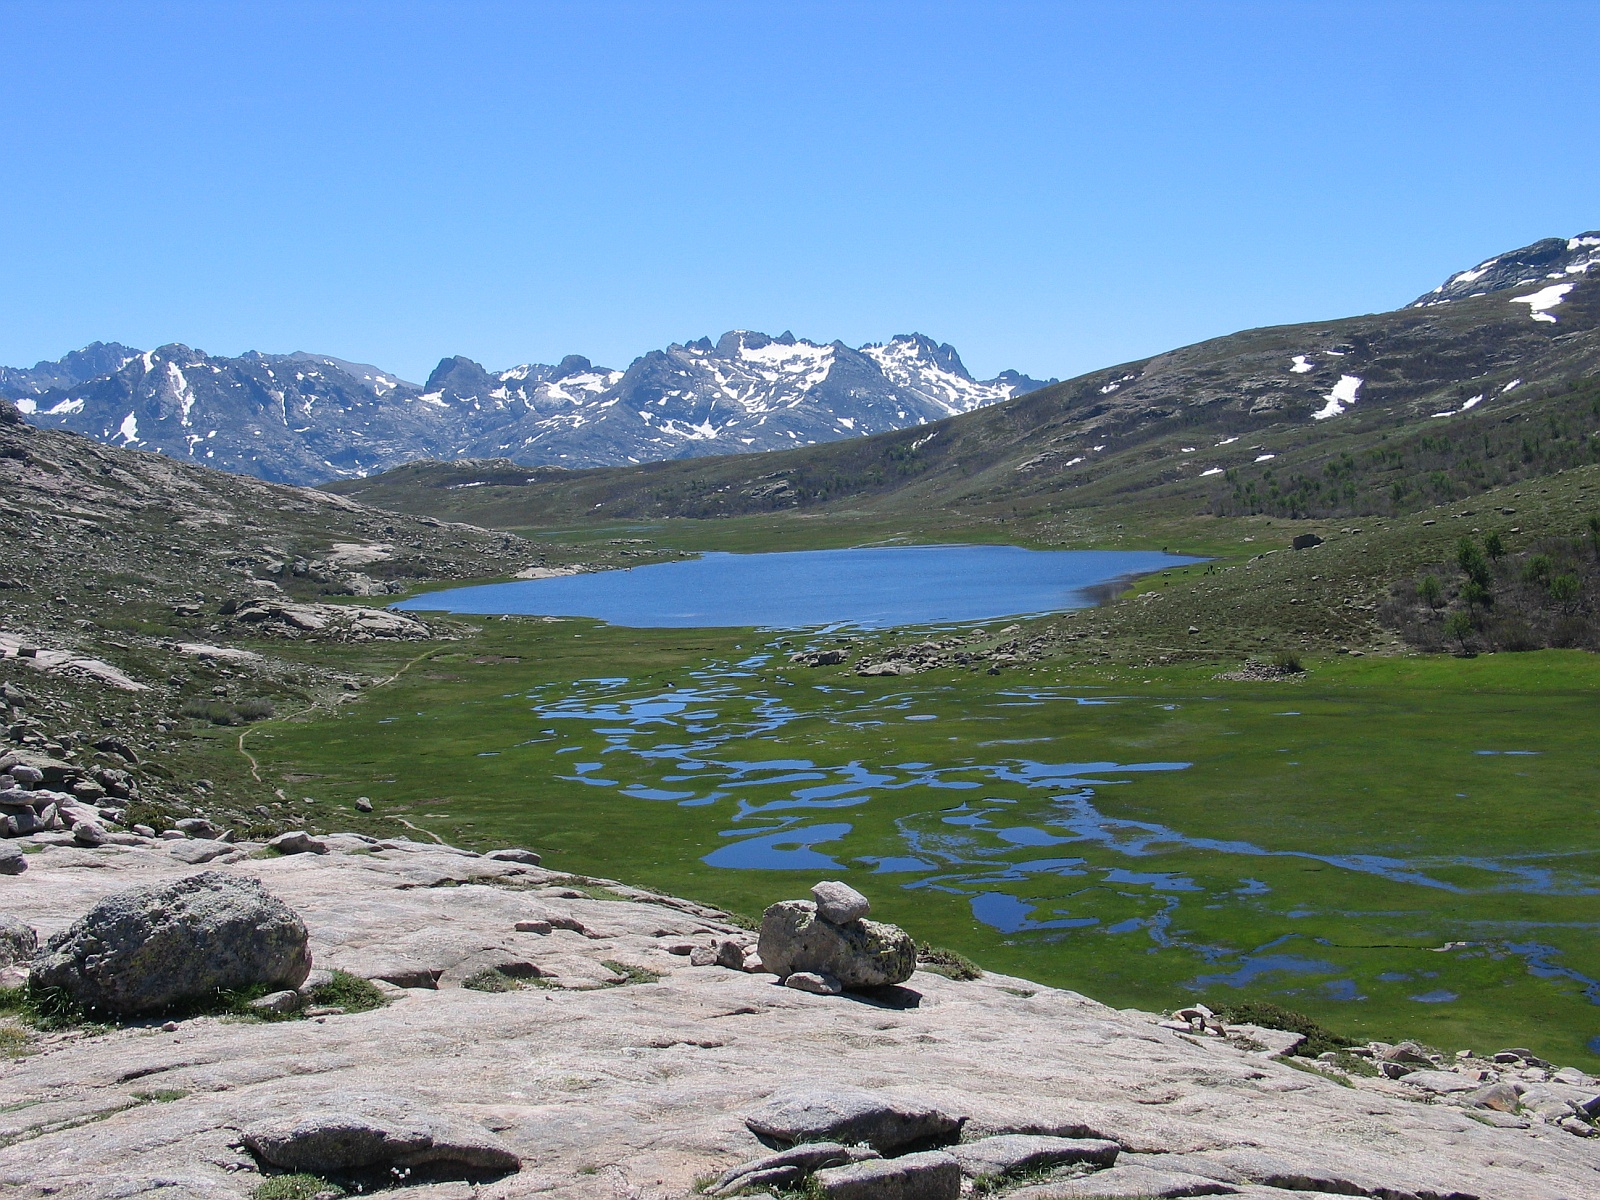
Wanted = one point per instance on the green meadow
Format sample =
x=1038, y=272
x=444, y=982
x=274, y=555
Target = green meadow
x=1399, y=846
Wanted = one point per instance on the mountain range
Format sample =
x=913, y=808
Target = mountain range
x=1487, y=379
x=309, y=418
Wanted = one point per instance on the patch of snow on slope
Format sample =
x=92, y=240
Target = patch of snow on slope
x=1509, y=386
x=182, y=390
x=1472, y=276
x=129, y=429
x=1300, y=366
x=59, y=409
x=26, y=406
x=1210, y=471
x=1340, y=399
x=1541, y=301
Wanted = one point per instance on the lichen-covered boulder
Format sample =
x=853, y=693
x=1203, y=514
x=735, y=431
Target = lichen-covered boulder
x=859, y=954
x=153, y=948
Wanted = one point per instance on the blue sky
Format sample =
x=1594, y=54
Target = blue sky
x=1051, y=187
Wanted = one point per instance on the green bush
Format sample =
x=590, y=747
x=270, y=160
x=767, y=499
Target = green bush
x=1319, y=1038
x=349, y=992
x=952, y=964
x=296, y=1187
x=1288, y=662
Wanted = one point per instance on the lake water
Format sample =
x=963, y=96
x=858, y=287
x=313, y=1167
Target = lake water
x=871, y=587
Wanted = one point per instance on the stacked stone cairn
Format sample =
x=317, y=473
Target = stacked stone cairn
x=827, y=946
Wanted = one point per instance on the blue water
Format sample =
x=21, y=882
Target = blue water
x=874, y=587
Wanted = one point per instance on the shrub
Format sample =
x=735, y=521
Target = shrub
x=1429, y=591
x=296, y=1187
x=952, y=964
x=349, y=992
x=1288, y=662
x=1319, y=1038
x=1459, y=626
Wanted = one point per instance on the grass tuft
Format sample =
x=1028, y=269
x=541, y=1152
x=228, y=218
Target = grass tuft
x=952, y=964
x=296, y=1187
x=631, y=974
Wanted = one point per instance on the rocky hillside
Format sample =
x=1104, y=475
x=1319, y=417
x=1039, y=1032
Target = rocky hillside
x=478, y=1026
x=305, y=418
x=140, y=595
x=1377, y=414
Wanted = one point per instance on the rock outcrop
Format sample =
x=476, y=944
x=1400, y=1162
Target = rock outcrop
x=607, y=1064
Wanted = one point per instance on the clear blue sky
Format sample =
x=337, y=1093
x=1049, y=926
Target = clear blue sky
x=1052, y=187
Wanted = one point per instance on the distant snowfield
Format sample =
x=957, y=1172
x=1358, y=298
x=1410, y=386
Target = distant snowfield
x=1539, y=303
x=1340, y=398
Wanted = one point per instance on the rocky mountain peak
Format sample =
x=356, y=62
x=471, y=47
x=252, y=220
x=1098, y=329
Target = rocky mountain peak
x=1549, y=260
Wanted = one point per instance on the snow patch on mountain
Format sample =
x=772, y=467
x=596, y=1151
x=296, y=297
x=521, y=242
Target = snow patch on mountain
x=1340, y=398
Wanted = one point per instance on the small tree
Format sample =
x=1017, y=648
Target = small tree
x=1429, y=591
x=1472, y=562
x=1494, y=546
x=1564, y=589
x=1476, y=595
x=1537, y=569
x=1594, y=534
x=1459, y=626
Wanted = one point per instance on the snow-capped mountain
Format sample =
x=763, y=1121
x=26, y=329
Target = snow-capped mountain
x=1549, y=259
x=308, y=418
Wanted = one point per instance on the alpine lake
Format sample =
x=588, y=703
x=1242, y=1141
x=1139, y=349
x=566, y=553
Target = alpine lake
x=1399, y=847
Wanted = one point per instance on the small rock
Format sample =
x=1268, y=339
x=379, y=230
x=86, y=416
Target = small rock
x=297, y=841
x=1579, y=1128
x=1501, y=1097
x=170, y=1027
x=173, y=835
x=144, y=831
x=515, y=854
x=88, y=833
x=839, y=903
x=752, y=962
x=197, y=852
x=18, y=941
x=787, y=1166
x=1016, y=1154
x=1443, y=1082
x=28, y=777
x=318, y=978
x=851, y=1116
x=199, y=827
x=12, y=860
x=703, y=956
x=814, y=982
x=539, y=927
x=363, y=804
x=931, y=1175
x=278, y=1002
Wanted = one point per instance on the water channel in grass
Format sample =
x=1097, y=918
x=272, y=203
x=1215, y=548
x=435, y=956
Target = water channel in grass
x=868, y=587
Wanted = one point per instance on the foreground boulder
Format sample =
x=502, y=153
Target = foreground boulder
x=18, y=944
x=851, y=1117
x=378, y=1137
x=153, y=948
x=858, y=953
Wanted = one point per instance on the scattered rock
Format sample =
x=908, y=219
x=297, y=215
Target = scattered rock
x=12, y=860
x=280, y=1003
x=375, y=1135
x=150, y=948
x=788, y=1166
x=1440, y=1081
x=364, y=804
x=812, y=981
x=199, y=827
x=511, y=854
x=1305, y=541
x=851, y=1117
x=839, y=903
x=1019, y=1153
x=893, y=667
x=861, y=954
x=89, y=834
x=1501, y=1097
x=196, y=853
x=18, y=944
x=931, y=1175
x=297, y=841
x=819, y=658
x=1131, y=1182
